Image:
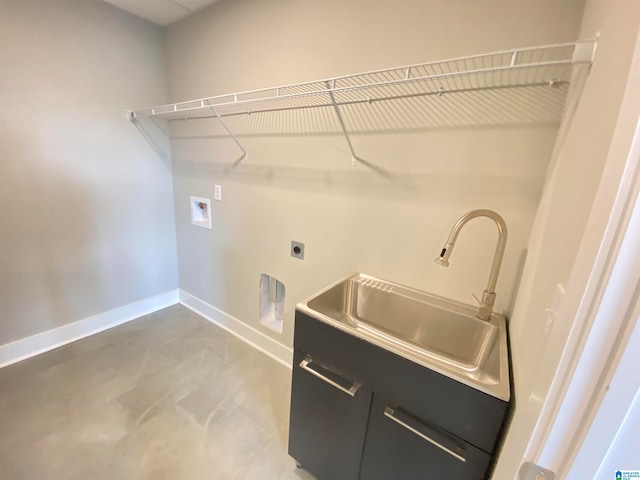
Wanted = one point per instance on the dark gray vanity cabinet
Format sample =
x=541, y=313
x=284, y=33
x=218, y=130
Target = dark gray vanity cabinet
x=359, y=411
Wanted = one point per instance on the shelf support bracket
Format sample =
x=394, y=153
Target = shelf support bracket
x=229, y=132
x=354, y=157
x=157, y=124
x=162, y=151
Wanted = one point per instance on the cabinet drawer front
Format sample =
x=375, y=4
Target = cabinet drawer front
x=328, y=423
x=469, y=414
x=401, y=446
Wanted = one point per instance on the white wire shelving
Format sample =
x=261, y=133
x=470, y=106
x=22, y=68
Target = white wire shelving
x=545, y=66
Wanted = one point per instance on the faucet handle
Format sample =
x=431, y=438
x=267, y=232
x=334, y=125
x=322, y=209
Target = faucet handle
x=485, y=306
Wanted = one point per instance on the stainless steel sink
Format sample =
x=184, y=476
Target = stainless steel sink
x=441, y=334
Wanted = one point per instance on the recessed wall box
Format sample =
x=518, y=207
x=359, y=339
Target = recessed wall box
x=272, y=293
x=201, y=212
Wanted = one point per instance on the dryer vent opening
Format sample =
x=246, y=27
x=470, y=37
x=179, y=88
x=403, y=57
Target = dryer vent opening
x=272, y=293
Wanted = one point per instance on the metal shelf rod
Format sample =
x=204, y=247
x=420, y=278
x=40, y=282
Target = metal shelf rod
x=353, y=88
x=437, y=93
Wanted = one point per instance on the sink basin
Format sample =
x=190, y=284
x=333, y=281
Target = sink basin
x=405, y=315
x=438, y=333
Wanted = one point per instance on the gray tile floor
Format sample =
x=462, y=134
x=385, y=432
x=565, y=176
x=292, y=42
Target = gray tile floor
x=167, y=396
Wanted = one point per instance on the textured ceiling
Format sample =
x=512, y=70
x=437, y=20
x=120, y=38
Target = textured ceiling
x=162, y=12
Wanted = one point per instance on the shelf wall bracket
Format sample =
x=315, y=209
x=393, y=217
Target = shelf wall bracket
x=229, y=132
x=164, y=152
x=330, y=87
x=164, y=132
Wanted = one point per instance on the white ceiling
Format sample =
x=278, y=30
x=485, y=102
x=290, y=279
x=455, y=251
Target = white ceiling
x=162, y=12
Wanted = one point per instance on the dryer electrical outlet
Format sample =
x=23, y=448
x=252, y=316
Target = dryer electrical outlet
x=297, y=249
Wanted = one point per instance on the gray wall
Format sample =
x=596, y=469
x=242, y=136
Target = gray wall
x=86, y=210
x=297, y=182
x=567, y=203
x=560, y=225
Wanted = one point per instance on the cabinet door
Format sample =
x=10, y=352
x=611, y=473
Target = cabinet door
x=328, y=420
x=400, y=446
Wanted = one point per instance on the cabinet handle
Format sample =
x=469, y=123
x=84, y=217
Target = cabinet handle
x=391, y=414
x=306, y=365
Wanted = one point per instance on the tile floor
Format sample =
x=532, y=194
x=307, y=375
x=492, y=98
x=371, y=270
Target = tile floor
x=167, y=396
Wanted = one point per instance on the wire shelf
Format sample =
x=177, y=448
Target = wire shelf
x=547, y=70
x=549, y=65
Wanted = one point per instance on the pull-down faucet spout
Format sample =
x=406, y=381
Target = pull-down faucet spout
x=489, y=295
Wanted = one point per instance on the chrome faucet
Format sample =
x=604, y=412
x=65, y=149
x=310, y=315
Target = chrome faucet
x=489, y=295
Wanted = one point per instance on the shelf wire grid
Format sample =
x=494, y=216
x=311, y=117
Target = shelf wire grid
x=550, y=65
x=520, y=88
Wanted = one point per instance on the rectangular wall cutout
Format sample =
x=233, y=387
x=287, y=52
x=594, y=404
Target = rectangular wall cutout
x=201, y=212
x=272, y=294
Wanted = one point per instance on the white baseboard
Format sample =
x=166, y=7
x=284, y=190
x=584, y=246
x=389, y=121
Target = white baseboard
x=42, y=342
x=250, y=335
